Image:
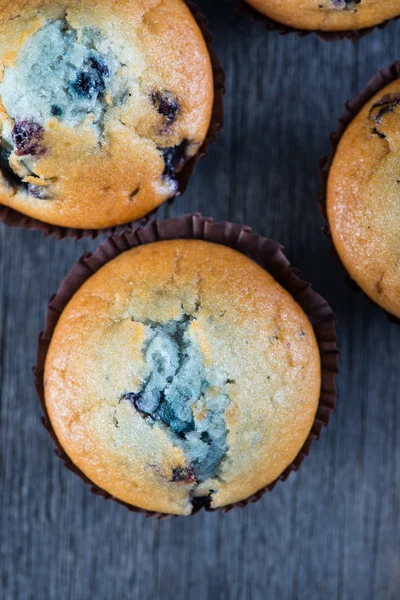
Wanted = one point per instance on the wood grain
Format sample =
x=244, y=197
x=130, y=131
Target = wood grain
x=332, y=531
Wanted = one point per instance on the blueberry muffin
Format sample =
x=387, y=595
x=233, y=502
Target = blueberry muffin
x=181, y=371
x=328, y=15
x=363, y=206
x=101, y=105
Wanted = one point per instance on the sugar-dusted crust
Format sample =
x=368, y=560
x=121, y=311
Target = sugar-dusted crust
x=247, y=325
x=363, y=206
x=100, y=185
x=328, y=15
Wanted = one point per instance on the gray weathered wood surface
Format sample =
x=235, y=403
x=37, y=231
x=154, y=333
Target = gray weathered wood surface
x=332, y=531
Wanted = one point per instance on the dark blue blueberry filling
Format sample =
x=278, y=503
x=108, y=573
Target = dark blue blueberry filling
x=132, y=398
x=166, y=104
x=174, y=159
x=100, y=67
x=90, y=82
x=38, y=191
x=56, y=110
x=86, y=85
x=205, y=437
x=27, y=137
x=159, y=410
x=387, y=105
x=167, y=415
x=185, y=475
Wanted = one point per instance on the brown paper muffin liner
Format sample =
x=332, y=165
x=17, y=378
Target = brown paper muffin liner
x=352, y=108
x=268, y=254
x=14, y=218
x=327, y=36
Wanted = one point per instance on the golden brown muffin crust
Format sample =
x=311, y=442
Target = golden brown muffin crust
x=328, y=15
x=247, y=327
x=93, y=181
x=363, y=198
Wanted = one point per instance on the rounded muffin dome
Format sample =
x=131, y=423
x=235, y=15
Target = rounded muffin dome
x=182, y=370
x=363, y=206
x=101, y=105
x=328, y=15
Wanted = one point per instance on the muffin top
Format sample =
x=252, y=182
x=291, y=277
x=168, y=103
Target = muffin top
x=180, y=370
x=328, y=15
x=101, y=104
x=363, y=198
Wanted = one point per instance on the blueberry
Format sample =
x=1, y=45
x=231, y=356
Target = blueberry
x=144, y=403
x=174, y=158
x=100, y=67
x=385, y=106
x=388, y=104
x=184, y=474
x=39, y=192
x=205, y=437
x=56, y=110
x=27, y=136
x=90, y=82
x=166, y=104
x=132, y=397
x=84, y=85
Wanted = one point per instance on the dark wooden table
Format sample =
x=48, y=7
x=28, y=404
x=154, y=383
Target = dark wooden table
x=333, y=529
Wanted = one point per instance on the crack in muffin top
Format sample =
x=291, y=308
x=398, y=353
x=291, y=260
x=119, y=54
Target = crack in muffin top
x=184, y=397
